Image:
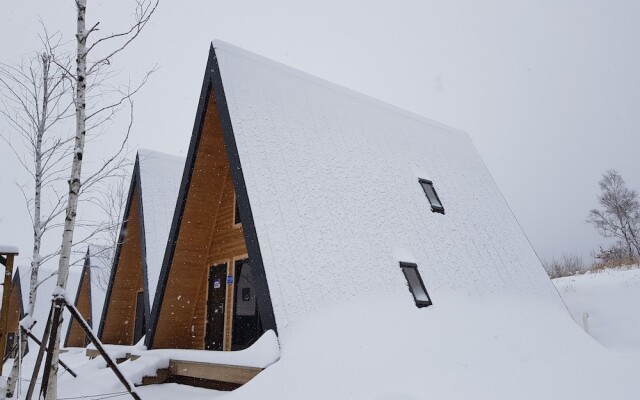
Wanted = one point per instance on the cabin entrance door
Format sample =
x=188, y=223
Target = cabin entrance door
x=214, y=334
x=140, y=325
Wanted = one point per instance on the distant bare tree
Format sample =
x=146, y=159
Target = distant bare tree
x=615, y=255
x=34, y=101
x=620, y=214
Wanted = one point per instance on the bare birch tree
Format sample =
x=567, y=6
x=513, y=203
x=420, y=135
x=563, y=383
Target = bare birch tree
x=34, y=102
x=84, y=69
x=620, y=214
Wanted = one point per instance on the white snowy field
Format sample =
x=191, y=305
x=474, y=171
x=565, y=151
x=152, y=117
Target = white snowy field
x=460, y=348
x=611, y=298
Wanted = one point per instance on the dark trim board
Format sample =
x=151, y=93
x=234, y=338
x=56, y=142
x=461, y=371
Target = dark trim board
x=143, y=251
x=213, y=81
x=263, y=296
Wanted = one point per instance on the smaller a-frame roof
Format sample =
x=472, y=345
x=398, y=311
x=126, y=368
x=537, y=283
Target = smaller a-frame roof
x=159, y=180
x=47, y=279
x=100, y=262
x=150, y=205
x=91, y=291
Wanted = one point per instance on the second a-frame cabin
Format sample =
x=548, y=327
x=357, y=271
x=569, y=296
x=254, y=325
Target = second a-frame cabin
x=90, y=294
x=143, y=239
x=299, y=195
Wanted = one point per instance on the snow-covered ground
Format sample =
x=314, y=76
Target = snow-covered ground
x=460, y=348
x=611, y=298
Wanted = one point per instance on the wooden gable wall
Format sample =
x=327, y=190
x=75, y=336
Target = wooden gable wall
x=75, y=335
x=15, y=306
x=207, y=236
x=119, y=318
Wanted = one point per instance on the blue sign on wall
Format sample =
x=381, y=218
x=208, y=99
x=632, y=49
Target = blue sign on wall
x=230, y=280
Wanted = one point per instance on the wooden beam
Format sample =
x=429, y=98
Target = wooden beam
x=228, y=306
x=83, y=324
x=43, y=346
x=55, y=325
x=214, y=372
x=39, y=343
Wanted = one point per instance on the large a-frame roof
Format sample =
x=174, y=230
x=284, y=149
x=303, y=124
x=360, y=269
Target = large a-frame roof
x=328, y=187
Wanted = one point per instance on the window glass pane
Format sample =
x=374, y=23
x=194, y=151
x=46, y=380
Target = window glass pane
x=416, y=286
x=431, y=195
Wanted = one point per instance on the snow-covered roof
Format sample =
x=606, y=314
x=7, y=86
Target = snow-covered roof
x=332, y=181
x=7, y=249
x=47, y=278
x=160, y=176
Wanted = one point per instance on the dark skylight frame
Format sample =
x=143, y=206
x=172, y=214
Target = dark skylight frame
x=416, y=285
x=432, y=195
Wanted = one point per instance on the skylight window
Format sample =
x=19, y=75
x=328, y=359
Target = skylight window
x=416, y=286
x=432, y=196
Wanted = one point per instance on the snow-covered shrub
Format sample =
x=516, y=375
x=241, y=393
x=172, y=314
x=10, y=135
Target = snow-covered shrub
x=569, y=264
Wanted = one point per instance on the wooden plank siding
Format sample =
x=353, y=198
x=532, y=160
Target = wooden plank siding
x=15, y=308
x=76, y=336
x=120, y=315
x=207, y=236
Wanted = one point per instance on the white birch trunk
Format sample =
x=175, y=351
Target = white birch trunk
x=74, y=181
x=37, y=222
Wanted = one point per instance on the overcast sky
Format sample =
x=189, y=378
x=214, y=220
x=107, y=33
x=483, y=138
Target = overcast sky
x=549, y=91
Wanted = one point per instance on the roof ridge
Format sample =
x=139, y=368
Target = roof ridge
x=219, y=44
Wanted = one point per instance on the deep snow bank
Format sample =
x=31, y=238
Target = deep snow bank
x=611, y=298
x=500, y=348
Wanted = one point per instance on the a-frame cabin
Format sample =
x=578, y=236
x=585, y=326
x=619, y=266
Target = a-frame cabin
x=90, y=294
x=341, y=198
x=207, y=293
x=16, y=313
x=143, y=238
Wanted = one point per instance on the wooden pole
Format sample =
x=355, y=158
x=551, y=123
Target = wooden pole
x=65, y=366
x=43, y=346
x=55, y=324
x=107, y=358
x=4, y=316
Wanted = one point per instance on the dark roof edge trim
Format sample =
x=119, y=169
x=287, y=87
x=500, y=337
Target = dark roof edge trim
x=116, y=257
x=265, y=307
x=143, y=254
